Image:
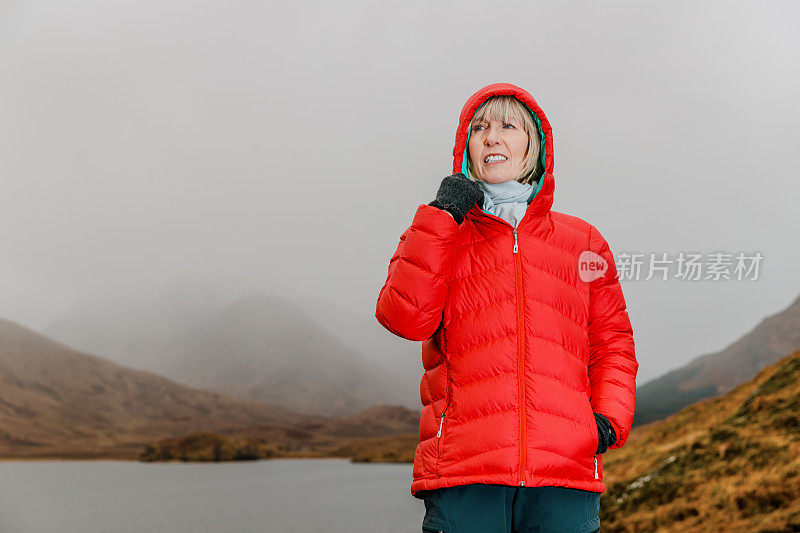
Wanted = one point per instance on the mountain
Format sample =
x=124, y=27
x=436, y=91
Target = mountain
x=717, y=373
x=134, y=329
x=267, y=349
x=731, y=463
x=57, y=401
x=364, y=334
x=339, y=361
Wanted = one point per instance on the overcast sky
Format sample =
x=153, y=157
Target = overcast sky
x=263, y=146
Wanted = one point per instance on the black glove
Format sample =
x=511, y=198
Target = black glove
x=457, y=195
x=605, y=432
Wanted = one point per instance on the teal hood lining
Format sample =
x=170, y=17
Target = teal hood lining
x=542, y=149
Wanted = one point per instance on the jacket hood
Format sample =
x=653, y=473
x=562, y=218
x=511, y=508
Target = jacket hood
x=542, y=197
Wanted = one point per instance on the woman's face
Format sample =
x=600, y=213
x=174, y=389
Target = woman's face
x=497, y=150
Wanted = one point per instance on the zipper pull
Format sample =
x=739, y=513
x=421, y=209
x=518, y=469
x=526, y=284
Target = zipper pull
x=439, y=433
x=521, y=483
x=595, y=467
x=516, y=248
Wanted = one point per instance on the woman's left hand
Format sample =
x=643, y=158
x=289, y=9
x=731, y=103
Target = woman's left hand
x=605, y=432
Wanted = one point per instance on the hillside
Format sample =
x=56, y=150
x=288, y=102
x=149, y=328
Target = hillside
x=717, y=373
x=59, y=402
x=727, y=464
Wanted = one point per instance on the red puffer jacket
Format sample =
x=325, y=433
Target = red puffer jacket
x=519, y=344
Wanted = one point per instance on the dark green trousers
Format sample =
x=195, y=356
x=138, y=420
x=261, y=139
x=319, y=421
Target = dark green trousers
x=488, y=508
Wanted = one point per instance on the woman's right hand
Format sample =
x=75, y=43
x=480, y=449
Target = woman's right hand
x=457, y=195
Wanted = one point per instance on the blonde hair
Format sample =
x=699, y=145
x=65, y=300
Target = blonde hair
x=502, y=108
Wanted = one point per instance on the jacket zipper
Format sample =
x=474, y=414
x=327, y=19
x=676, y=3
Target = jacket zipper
x=439, y=433
x=520, y=355
x=595, y=467
x=439, y=439
x=520, y=346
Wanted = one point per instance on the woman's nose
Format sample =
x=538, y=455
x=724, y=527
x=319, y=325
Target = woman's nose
x=492, y=137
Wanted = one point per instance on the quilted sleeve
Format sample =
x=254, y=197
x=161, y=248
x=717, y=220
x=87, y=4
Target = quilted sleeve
x=411, y=301
x=612, y=359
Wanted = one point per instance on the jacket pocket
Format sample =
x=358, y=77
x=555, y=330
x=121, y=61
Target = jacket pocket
x=440, y=435
x=442, y=426
x=595, y=442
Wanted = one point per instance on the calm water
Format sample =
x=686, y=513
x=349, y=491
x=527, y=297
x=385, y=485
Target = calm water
x=280, y=495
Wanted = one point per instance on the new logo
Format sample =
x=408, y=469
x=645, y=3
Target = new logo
x=591, y=266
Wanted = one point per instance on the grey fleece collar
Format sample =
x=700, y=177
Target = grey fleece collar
x=507, y=200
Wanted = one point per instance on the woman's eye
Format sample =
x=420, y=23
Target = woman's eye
x=508, y=124
x=476, y=127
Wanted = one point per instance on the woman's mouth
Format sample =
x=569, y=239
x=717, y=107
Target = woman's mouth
x=494, y=159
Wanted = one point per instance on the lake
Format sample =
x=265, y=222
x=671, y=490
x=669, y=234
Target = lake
x=280, y=495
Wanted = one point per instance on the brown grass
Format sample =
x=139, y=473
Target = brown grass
x=727, y=464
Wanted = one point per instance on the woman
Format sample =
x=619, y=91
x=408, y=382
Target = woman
x=530, y=370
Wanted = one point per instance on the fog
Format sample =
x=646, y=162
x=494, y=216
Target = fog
x=247, y=146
